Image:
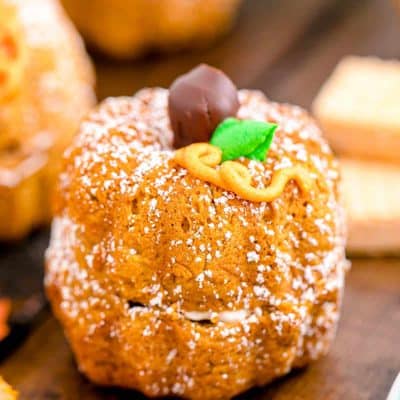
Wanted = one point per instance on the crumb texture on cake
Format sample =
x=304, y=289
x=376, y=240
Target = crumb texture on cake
x=172, y=286
x=46, y=86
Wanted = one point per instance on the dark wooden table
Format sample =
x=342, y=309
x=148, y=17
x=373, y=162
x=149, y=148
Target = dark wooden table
x=286, y=48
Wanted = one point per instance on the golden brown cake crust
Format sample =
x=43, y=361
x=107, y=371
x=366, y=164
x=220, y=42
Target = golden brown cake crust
x=128, y=28
x=170, y=285
x=47, y=87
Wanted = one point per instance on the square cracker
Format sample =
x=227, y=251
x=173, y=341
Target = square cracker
x=371, y=193
x=359, y=108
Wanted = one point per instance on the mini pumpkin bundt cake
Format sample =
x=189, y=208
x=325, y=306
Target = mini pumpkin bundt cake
x=46, y=85
x=198, y=243
x=129, y=28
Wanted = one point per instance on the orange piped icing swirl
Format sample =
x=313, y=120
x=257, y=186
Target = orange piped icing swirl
x=201, y=158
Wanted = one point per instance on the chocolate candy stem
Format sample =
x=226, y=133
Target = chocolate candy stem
x=198, y=102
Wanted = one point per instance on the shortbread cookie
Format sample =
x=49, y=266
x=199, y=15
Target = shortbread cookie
x=359, y=108
x=372, y=198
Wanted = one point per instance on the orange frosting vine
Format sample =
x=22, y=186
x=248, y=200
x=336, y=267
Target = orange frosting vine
x=200, y=159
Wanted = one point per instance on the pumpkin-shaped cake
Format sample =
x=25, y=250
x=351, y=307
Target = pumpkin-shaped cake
x=46, y=85
x=203, y=271
x=129, y=28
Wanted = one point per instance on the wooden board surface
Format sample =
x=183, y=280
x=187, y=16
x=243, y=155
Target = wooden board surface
x=286, y=48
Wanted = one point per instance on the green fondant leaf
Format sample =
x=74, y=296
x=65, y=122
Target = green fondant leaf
x=243, y=138
x=260, y=153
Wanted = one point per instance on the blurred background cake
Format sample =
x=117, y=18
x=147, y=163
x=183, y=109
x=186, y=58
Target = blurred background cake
x=129, y=28
x=46, y=85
